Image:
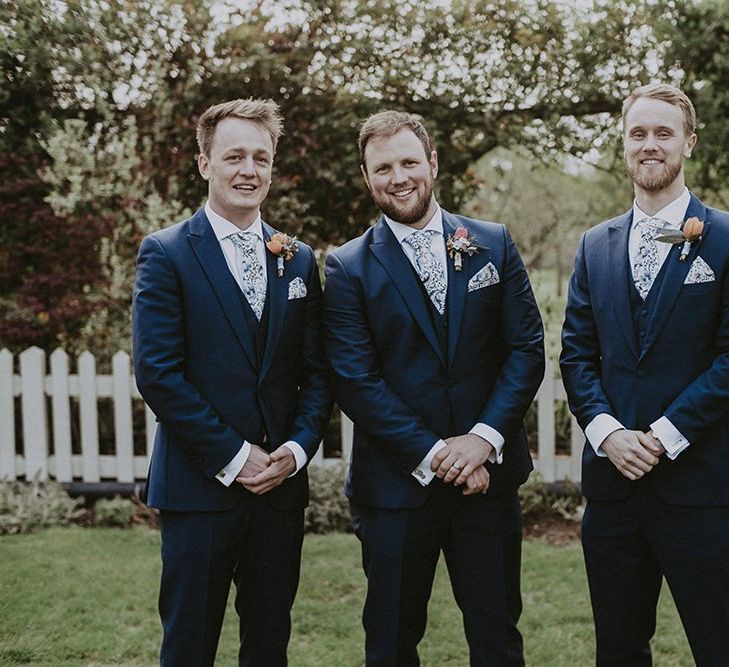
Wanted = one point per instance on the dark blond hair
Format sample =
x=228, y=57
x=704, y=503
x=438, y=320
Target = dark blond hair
x=264, y=112
x=665, y=93
x=387, y=123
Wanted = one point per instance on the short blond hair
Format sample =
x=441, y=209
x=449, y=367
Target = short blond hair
x=665, y=93
x=265, y=112
x=388, y=123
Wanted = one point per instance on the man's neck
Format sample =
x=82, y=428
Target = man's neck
x=651, y=202
x=241, y=221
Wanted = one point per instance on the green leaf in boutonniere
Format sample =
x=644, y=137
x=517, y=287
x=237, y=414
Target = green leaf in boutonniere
x=689, y=233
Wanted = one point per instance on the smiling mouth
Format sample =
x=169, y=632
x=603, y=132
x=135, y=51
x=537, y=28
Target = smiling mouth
x=401, y=194
x=650, y=162
x=245, y=187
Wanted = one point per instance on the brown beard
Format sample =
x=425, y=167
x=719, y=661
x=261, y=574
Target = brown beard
x=409, y=217
x=657, y=182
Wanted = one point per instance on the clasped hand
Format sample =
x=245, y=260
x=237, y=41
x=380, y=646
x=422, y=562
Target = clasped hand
x=462, y=460
x=633, y=453
x=263, y=471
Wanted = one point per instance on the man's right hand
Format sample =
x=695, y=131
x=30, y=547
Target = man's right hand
x=630, y=452
x=258, y=460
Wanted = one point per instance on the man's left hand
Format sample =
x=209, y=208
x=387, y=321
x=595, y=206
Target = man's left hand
x=282, y=465
x=460, y=457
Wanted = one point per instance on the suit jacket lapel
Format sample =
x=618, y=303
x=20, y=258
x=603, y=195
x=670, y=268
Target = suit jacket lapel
x=619, y=276
x=388, y=252
x=675, y=274
x=207, y=250
x=277, y=296
x=457, y=288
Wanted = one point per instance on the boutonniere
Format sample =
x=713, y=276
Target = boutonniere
x=690, y=232
x=284, y=247
x=459, y=242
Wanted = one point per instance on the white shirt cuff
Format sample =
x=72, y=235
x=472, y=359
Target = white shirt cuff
x=671, y=438
x=299, y=455
x=423, y=473
x=599, y=429
x=230, y=472
x=493, y=437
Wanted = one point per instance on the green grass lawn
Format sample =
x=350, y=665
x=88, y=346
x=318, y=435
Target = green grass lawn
x=86, y=596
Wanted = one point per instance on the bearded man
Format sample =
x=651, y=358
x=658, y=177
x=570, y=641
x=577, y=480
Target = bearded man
x=436, y=349
x=645, y=362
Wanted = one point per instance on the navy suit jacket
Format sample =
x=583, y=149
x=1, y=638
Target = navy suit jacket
x=681, y=369
x=197, y=367
x=392, y=377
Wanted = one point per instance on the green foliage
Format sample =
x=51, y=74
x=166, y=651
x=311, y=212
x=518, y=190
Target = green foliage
x=114, y=512
x=28, y=506
x=539, y=499
x=328, y=509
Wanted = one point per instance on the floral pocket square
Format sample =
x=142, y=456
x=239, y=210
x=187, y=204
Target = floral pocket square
x=488, y=275
x=700, y=272
x=297, y=289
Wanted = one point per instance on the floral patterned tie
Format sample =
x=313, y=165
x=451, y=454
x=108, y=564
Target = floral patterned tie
x=646, y=264
x=429, y=269
x=252, y=278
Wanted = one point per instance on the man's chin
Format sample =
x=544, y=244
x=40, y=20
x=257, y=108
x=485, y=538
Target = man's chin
x=405, y=216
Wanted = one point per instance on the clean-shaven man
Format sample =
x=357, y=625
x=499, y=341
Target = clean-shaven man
x=436, y=350
x=227, y=353
x=645, y=361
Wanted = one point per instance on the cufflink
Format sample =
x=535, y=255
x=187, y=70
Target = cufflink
x=419, y=473
x=221, y=474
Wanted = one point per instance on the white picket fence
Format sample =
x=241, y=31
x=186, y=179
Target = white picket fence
x=51, y=448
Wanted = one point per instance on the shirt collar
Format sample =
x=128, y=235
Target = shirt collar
x=402, y=231
x=672, y=213
x=223, y=228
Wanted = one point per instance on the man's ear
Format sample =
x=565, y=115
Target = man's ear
x=363, y=169
x=690, y=144
x=202, y=166
x=434, y=163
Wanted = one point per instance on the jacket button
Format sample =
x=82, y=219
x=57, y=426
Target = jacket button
x=641, y=373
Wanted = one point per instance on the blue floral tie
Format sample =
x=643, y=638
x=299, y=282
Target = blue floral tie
x=429, y=269
x=646, y=264
x=252, y=278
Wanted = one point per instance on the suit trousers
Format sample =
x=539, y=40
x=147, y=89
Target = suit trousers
x=480, y=538
x=256, y=547
x=629, y=546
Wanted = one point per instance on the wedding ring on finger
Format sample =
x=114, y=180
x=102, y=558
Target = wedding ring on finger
x=457, y=467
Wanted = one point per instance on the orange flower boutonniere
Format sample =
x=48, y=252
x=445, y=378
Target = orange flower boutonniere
x=284, y=247
x=690, y=232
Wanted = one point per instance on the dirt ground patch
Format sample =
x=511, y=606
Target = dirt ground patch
x=551, y=529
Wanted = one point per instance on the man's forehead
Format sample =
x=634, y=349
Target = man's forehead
x=648, y=112
x=403, y=143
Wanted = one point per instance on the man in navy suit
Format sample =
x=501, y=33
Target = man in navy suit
x=227, y=353
x=645, y=361
x=436, y=349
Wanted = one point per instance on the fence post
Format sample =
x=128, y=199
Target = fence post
x=7, y=417
x=545, y=425
x=577, y=442
x=347, y=438
x=123, y=429
x=61, y=416
x=150, y=430
x=35, y=427
x=88, y=410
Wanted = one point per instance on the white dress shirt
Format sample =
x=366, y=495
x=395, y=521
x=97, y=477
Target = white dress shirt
x=223, y=230
x=423, y=473
x=604, y=424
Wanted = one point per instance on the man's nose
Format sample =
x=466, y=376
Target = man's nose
x=650, y=142
x=398, y=175
x=246, y=166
